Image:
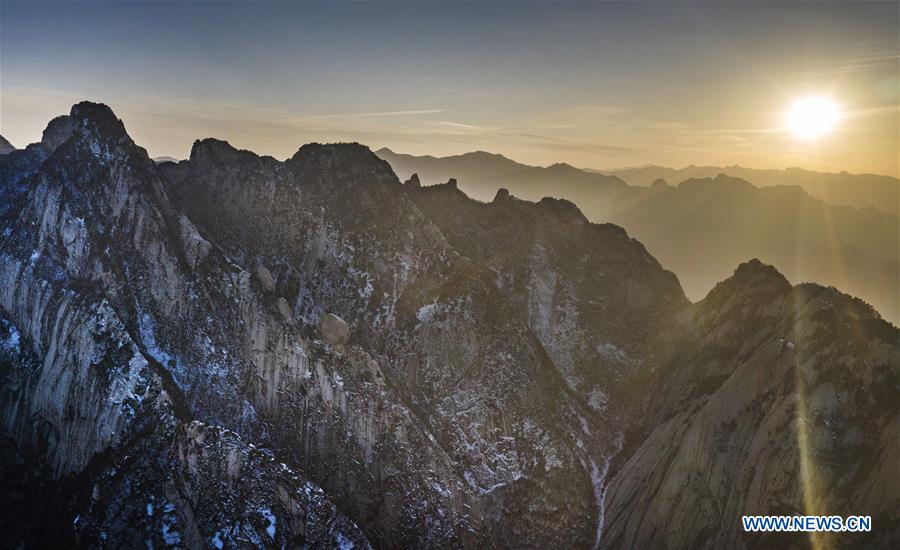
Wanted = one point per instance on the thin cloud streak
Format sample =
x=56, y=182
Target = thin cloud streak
x=414, y=112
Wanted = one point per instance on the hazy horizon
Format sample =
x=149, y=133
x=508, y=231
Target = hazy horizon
x=600, y=86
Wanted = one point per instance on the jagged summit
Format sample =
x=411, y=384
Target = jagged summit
x=99, y=118
x=96, y=123
x=502, y=195
x=413, y=181
x=450, y=185
x=565, y=211
x=342, y=150
x=756, y=269
x=353, y=162
x=752, y=280
x=57, y=132
x=6, y=146
x=218, y=150
x=755, y=284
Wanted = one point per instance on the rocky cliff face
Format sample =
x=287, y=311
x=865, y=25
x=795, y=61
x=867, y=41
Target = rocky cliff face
x=94, y=260
x=232, y=350
x=463, y=340
x=775, y=400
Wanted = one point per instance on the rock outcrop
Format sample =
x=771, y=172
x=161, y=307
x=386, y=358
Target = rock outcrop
x=5, y=146
x=265, y=278
x=334, y=330
x=413, y=181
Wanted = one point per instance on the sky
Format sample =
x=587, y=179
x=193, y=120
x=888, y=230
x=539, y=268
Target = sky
x=596, y=85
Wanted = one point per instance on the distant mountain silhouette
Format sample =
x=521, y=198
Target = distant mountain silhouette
x=702, y=227
x=858, y=190
x=481, y=174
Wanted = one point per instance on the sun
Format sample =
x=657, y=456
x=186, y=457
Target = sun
x=812, y=117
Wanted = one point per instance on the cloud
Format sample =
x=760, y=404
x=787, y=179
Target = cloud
x=579, y=115
x=472, y=128
x=374, y=114
x=875, y=58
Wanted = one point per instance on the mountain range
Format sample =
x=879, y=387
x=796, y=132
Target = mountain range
x=703, y=226
x=237, y=351
x=856, y=190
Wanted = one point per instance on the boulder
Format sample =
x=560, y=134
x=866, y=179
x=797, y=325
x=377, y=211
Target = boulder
x=334, y=330
x=375, y=371
x=285, y=309
x=265, y=278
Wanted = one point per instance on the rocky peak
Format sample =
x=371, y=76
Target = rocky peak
x=766, y=385
x=659, y=183
x=756, y=272
x=413, y=181
x=336, y=161
x=99, y=120
x=752, y=277
x=211, y=150
x=5, y=146
x=57, y=131
x=754, y=292
x=502, y=195
x=564, y=211
x=94, y=130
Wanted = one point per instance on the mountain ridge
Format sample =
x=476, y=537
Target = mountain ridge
x=361, y=359
x=839, y=188
x=701, y=227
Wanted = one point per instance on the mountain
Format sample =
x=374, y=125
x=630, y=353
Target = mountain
x=856, y=190
x=233, y=351
x=5, y=146
x=101, y=445
x=481, y=174
x=800, y=419
x=703, y=227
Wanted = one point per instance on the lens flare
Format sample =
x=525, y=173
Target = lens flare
x=812, y=117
